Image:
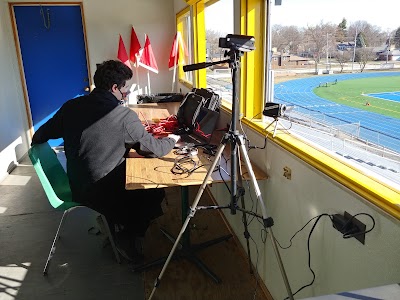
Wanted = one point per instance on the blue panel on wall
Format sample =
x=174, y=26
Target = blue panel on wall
x=54, y=56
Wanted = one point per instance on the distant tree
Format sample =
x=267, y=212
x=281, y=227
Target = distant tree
x=342, y=58
x=373, y=35
x=212, y=38
x=341, y=31
x=363, y=56
x=360, y=41
x=396, y=39
x=317, y=39
x=286, y=38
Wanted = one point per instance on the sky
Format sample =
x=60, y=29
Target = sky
x=384, y=14
x=219, y=16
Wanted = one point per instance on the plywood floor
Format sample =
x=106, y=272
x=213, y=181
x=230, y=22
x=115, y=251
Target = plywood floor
x=183, y=280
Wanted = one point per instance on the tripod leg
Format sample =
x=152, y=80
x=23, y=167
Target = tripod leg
x=244, y=215
x=189, y=216
x=266, y=220
x=276, y=127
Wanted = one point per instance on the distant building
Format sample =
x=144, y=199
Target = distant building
x=393, y=55
x=345, y=46
x=282, y=60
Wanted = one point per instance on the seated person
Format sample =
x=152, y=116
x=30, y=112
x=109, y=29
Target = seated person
x=98, y=133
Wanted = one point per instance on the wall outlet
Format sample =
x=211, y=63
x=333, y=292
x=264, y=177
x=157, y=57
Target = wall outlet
x=287, y=172
x=342, y=224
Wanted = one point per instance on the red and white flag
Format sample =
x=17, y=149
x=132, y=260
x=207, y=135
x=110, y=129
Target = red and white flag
x=147, y=59
x=177, y=46
x=135, y=47
x=122, y=54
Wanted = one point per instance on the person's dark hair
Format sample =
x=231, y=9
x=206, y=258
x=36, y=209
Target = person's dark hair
x=111, y=72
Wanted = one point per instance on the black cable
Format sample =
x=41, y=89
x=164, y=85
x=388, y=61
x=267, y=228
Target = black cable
x=220, y=174
x=309, y=253
x=256, y=273
x=345, y=235
x=180, y=165
x=298, y=232
x=249, y=147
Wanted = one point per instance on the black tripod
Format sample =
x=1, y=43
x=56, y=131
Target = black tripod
x=236, y=142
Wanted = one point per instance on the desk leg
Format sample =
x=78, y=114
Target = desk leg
x=185, y=248
x=184, y=214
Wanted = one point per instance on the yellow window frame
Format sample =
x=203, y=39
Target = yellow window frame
x=252, y=71
x=252, y=22
x=180, y=28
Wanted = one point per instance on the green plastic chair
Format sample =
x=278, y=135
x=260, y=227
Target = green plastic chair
x=56, y=186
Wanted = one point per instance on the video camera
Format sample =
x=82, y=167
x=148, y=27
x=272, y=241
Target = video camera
x=274, y=110
x=244, y=43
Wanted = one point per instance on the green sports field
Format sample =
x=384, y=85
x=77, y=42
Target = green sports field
x=351, y=93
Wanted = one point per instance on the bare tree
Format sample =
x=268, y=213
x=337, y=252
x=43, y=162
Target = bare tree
x=363, y=56
x=286, y=38
x=320, y=37
x=213, y=49
x=396, y=38
x=373, y=35
x=342, y=58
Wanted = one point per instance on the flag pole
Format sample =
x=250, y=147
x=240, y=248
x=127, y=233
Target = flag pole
x=137, y=74
x=175, y=61
x=174, y=77
x=148, y=81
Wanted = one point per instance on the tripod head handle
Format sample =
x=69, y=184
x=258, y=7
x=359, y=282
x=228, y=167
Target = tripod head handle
x=203, y=65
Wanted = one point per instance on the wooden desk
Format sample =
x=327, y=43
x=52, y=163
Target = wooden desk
x=148, y=173
x=145, y=173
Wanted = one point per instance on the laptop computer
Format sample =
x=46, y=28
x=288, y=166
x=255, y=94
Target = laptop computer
x=203, y=129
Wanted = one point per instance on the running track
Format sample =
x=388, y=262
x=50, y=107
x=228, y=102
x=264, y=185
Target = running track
x=374, y=127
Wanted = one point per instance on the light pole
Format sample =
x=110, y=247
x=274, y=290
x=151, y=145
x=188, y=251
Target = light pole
x=327, y=53
x=387, y=49
x=354, y=51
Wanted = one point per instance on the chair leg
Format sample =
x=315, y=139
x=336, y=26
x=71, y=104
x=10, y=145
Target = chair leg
x=110, y=237
x=53, y=246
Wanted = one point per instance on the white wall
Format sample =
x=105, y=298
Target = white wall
x=179, y=5
x=104, y=20
x=13, y=122
x=339, y=264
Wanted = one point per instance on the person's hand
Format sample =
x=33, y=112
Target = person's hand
x=175, y=137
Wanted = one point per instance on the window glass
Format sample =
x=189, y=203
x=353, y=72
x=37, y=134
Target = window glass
x=218, y=23
x=340, y=81
x=185, y=50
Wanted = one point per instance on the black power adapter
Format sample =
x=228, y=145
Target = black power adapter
x=349, y=226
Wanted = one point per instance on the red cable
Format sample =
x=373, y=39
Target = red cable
x=163, y=127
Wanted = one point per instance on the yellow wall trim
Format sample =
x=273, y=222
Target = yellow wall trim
x=382, y=195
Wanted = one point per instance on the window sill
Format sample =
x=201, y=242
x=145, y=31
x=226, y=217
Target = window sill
x=380, y=194
x=186, y=83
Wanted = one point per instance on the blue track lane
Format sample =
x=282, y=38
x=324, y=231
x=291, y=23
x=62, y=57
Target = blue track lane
x=374, y=127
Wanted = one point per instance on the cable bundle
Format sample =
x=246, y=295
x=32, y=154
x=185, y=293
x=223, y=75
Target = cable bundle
x=163, y=127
